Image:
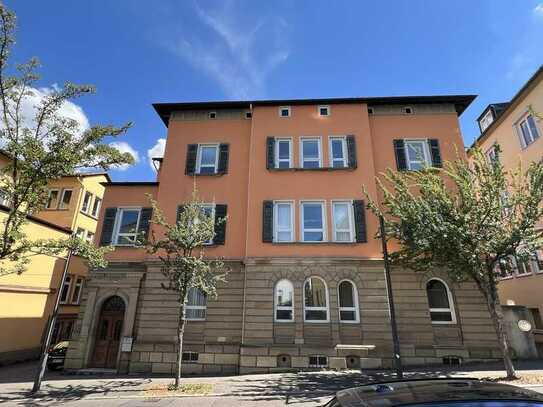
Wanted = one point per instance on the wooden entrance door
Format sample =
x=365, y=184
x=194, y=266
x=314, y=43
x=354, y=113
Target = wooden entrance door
x=108, y=333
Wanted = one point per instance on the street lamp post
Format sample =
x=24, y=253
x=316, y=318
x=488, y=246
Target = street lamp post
x=397, y=356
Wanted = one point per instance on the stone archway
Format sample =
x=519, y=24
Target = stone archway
x=108, y=333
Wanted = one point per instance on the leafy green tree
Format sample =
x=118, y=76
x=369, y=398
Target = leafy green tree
x=42, y=146
x=180, y=248
x=471, y=220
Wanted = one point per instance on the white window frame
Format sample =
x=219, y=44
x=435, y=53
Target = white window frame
x=343, y=140
x=78, y=283
x=520, y=134
x=287, y=108
x=68, y=281
x=324, y=223
x=486, y=120
x=212, y=206
x=351, y=230
x=55, y=204
x=282, y=307
x=491, y=155
x=319, y=147
x=195, y=307
x=451, y=304
x=327, y=308
x=89, y=205
x=279, y=140
x=95, y=211
x=117, y=226
x=199, y=157
x=276, y=229
x=426, y=151
x=80, y=233
x=61, y=200
x=528, y=268
x=317, y=366
x=355, y=299
x=328, y=111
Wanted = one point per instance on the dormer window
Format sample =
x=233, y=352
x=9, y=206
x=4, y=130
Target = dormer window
x=486, y=120
x=212, y=115
x=284, y=111
x=324, y=110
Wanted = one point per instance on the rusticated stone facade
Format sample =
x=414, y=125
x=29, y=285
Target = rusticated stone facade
x=239, y=334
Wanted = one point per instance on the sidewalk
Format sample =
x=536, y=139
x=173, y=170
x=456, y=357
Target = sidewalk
x=16, y=382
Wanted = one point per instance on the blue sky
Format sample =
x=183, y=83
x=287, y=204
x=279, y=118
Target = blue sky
x=140, y=52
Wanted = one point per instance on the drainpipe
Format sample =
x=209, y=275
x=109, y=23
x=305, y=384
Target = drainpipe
x=397, y=356
x=49, y=336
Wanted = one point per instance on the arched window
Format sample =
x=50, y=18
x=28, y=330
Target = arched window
x=284, y=301
x=315, y=300
x=440, y=302
x=348, y=302
x=196, y=305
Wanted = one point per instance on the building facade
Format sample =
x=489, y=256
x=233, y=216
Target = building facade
x=27, y=300
x=306, y=287
x=517, y=129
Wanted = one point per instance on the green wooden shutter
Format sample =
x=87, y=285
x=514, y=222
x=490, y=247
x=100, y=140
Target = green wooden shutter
x=107, y=227
x=399, y=151
x=267, y=222
x=351, y=152
x=435, y=153
x=220, y=227
x=223, y=159
x=360, y=221
x=270, y=153
x=190, y=165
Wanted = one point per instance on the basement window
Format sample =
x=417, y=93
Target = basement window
x=318, y=361
x=190, y=357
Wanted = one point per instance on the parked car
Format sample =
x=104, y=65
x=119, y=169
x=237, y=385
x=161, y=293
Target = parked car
x=57, y=355
x=437, y=392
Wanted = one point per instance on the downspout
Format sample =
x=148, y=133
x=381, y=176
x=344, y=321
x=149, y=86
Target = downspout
x=246, y=233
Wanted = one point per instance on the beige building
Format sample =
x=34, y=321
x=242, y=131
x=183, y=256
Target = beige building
x=518, y=130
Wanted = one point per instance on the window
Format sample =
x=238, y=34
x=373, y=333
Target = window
x=417, y=154
x=407, y=110
x=207, y=160
x=370, y=110
x=196, y=305
x=338, y=152
x=76, y=295
x=212, y=115
x=65, y=199
x=310, y=152
x=536, y=315
x=284, y=301
x=52, y=199
x=315, y=300
x=505, y=269
x=343, y=221
x=528, y=130
x=86, y=202
x=96, y=207
x=90, y=237
x=248, y=115
x=348, y=302
x=318, y=361
x=492, y=155
x=283, y=219
x=4, y=197
x=126, y=229
x=440, y=302
x=190, y=357
x=80, y=233
x=284, y=111
x=486, y=120
x=313, y=222
x=65, y=291
x=324, y=110
x=524, y=268
x=209, y=210
x=283, y=153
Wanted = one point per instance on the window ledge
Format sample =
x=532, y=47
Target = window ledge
x=217, y=174
x=317, y=243
x=312, y=169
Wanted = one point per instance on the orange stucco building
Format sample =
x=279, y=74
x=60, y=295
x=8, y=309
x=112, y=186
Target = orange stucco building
x=306, y=287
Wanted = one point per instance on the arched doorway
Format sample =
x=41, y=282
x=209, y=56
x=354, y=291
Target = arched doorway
x=108, y=333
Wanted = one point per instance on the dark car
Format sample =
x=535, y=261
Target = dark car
x=57, y=355
x=437, y=392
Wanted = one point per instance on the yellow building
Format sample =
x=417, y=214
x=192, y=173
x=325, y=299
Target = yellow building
x=519, y=133
x=27, y=300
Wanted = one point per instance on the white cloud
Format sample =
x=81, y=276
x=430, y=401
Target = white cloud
x=539, y=9
x=241, y=57
x=124, y=147
x=156, y=151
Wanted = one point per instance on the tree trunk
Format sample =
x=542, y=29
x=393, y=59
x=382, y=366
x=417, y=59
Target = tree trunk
x=180, y=333
x=497, y=318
